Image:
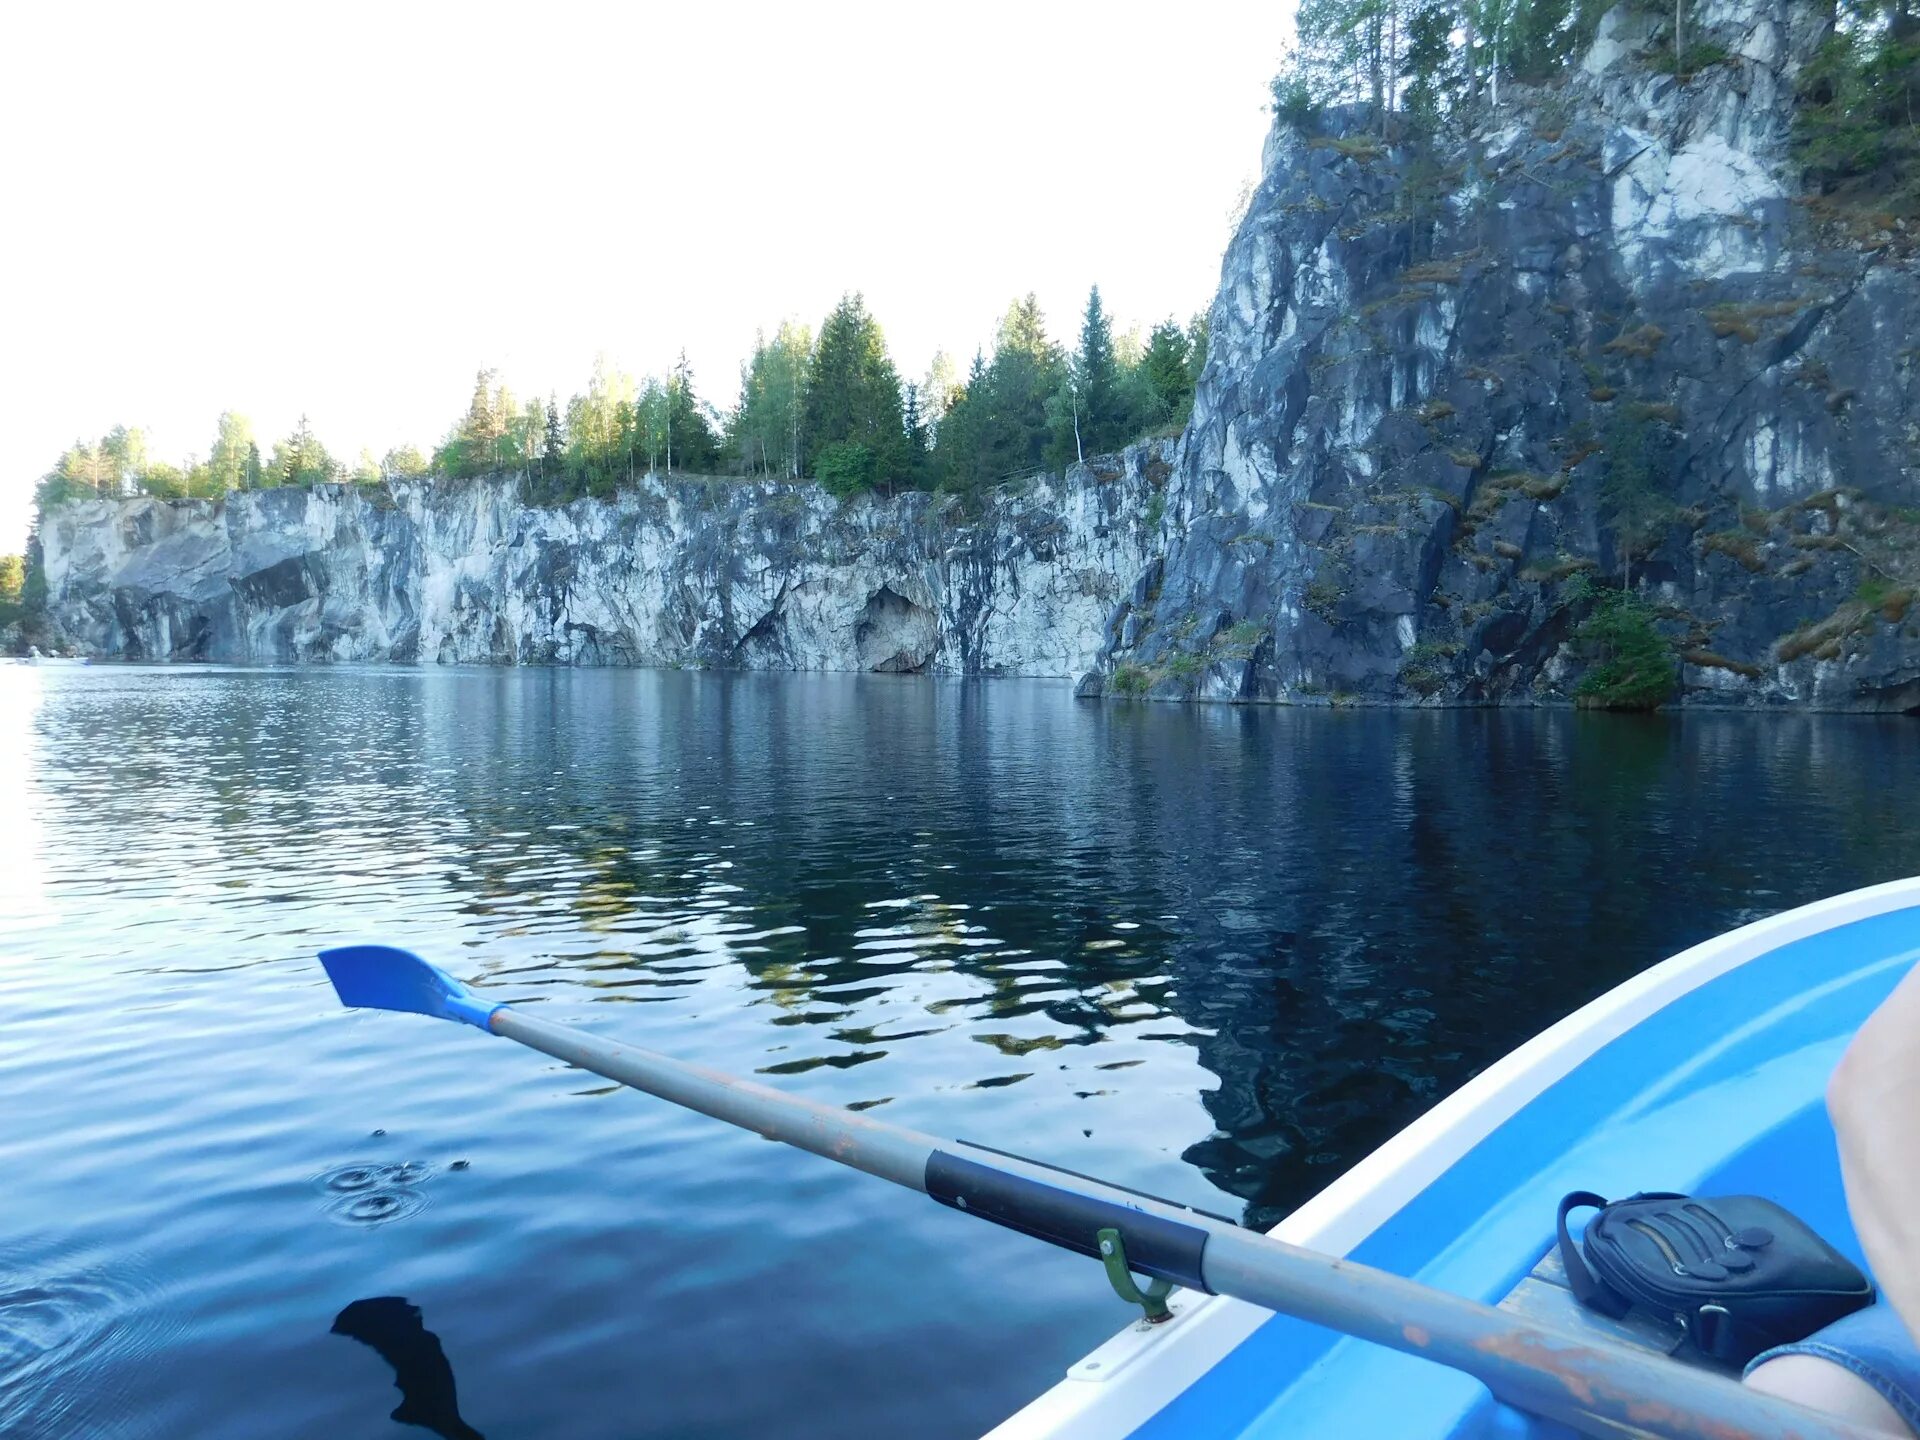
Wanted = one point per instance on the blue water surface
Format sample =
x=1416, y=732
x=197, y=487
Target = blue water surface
x=1212, y=953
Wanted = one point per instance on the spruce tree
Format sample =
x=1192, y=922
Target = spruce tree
x=695, y=446
x=1103, y=418
x=1026, y=372
x=853, y=397
x=1169, y=383
x=956, y=450
x=916, y=437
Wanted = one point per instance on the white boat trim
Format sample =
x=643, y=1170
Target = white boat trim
x=1119, y=1394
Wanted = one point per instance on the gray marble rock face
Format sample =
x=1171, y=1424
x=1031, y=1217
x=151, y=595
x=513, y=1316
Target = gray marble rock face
x=1430, y=367
x=1424, y=363
x=682, y=572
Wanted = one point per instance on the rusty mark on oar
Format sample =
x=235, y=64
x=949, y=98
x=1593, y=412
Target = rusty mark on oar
x=1547, y=1359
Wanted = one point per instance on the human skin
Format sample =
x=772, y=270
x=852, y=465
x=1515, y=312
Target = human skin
x=1873, y=1099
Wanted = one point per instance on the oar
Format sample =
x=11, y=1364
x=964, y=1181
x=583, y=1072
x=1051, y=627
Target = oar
x=1593, y=1386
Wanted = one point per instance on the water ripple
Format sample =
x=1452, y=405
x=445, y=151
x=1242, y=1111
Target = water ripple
x=1211, y=953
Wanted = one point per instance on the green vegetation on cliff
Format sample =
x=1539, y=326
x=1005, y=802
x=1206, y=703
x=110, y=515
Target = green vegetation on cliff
x=1858, y=121
x=1857, y=116
x=13, y=584
x=1631, y=665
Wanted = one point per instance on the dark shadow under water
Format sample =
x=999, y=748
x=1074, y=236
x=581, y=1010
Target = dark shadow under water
x=392, y=1327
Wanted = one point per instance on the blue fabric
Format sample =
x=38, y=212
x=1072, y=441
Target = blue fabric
x=1874, y=1345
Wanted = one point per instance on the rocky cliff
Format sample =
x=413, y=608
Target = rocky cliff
x=1455, y=389
x=687, y=572
x=1460, y=392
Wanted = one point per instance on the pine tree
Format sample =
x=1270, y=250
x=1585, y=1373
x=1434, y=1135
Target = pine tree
x=250, y=476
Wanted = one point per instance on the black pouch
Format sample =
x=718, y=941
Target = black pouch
x=1739, y=1273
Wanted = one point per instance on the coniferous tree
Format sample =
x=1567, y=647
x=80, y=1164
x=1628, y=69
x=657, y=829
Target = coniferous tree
x=916, y=439
x=764, y=432
x=301, y=459
x=1167, y=378
x=956, y=457
x=853, y=399
x=556, y=445
x=250, y=478
x=695, y=446
x=1106, y=421
x=490, y=436
x=1026, y=372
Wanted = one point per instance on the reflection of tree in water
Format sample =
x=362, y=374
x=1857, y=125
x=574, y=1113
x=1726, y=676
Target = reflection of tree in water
x=1347, y=914
x=877, y=844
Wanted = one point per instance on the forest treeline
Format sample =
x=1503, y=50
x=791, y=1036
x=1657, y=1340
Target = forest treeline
x=1420, y=63
x=831, y=407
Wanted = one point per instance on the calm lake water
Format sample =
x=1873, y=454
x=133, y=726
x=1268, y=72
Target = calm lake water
x=1217, y=954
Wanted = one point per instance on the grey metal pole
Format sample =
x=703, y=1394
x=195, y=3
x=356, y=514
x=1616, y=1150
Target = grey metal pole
x=1597, y=1388
x=889, y=1151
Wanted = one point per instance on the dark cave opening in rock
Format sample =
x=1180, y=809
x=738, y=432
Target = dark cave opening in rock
x=894, y=636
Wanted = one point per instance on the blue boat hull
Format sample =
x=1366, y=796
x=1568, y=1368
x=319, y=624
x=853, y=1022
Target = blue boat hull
x=1706, y=1074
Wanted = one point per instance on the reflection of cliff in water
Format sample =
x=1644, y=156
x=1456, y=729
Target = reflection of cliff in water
x=1348, y=913
x=1344, y=913
x=1439, y=887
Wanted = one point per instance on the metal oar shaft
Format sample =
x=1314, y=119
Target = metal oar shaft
x=889, y=1151
x=1595, y=1387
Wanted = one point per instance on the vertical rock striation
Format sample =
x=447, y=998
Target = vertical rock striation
x=1596, y=339
x=691, y=572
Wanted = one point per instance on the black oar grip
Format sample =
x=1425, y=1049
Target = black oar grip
x=1156, y=1246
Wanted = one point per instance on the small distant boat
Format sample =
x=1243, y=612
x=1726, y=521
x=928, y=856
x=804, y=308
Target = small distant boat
x=1706, y=1074
x=34, y=657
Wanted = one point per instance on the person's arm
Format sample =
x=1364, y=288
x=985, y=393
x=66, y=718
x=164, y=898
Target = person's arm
x=1874, y=1099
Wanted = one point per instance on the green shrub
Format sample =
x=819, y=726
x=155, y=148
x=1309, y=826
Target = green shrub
x=1630, y=663
x=1131, y=680
x=846, y=467
x=1293, y=100
x=1185, y=666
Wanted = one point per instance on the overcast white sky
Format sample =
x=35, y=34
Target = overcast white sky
x=347, y=209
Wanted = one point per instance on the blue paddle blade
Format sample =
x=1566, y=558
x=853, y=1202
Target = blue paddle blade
x=379, y=977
